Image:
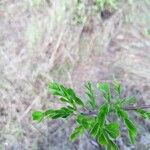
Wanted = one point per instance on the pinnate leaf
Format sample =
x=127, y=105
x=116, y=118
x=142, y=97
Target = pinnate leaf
x=105, y=90
x=91, y=95
x=100, y=120
x=102, y=137
x=85, y=121
x=117, y=87
x=132, y=130
x=128, y=101
x=113, y=129
x=103, y=111
x=78, y=131
x=143, y=113
x=66, y=94
x=64, y=112
x=112, y=145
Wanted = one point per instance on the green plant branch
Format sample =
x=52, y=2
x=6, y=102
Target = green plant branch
x=95, y=119
x=129, y=108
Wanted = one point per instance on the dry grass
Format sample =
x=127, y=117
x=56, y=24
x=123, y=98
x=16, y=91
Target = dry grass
x=40, y=42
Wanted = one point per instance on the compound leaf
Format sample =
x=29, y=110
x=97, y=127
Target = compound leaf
x=100, y=120
x=113, y=129
x=112, y=146
x=128, y=101
x=66, y=94
x=117, y=87
x=95, y=129
x=102, y=137
x=91, y=95
x=105, y=90
x=78, y=131
x=121, y=113
x=143, y=113
x=86, y=121
x=132, y=130
x=62, y=113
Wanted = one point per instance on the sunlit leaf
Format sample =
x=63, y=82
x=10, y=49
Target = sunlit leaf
x=143, y=113
x=78, y=131
x=113, y=129
x=132, y=130
x=117, y=87
x=91, y=95
x=105, y=90
x=37, y=115
x=128, y=101
x=65, y=94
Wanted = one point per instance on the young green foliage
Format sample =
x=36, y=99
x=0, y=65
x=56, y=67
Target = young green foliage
x=105, y=90
x=117, y=87
x=132, y=130
x=37, y=115
x=64, y=112
x=96, y=123
x=77, y=131
x=128, y=101
x=91, y=95
x=65, y=94
x=113, y=129
x=144, y=114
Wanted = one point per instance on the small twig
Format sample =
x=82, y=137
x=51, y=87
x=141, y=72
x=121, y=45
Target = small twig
x=126, y=108
x=137, y=107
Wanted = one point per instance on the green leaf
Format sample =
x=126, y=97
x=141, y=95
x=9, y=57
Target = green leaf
x=102, y=137
x=37, y=115
x=91, y=95
x=78, y=131
x=63, y=99
x=73, y=96
x=121, y=113
x=64, y=112
x=95, y=129
x=128, y=101
x=49, y=113
x=103, y=111
x=100, y=120
x=105, y=90
x=113, y=129
x=65, y=94
x=59, y=90
x=132, y=130
x=78, y=101
x=144, y=114
x=86, y=121
x=117, y=87
x=112, y=146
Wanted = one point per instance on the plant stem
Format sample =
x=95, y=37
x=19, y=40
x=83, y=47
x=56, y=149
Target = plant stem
x=137, y=107
x=94, y=113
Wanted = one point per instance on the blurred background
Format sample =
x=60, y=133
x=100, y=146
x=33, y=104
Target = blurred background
x=69, y=41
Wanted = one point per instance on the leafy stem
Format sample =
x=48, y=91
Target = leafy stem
x=94, y=119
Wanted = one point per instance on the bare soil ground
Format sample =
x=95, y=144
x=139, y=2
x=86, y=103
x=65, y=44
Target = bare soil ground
x=40, y=42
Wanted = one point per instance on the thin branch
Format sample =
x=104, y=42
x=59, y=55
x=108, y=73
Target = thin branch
x=137, y=107
x=93, y=113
